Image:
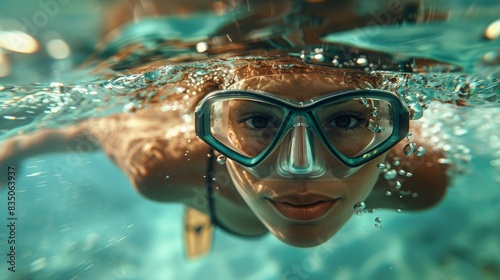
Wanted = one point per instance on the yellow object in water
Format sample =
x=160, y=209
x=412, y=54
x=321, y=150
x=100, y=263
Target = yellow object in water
x=198, y=231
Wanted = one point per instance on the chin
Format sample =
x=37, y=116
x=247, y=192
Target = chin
x=304, y=236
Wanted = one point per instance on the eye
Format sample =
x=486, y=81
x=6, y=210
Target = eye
x=347, y=120
x=257, y=122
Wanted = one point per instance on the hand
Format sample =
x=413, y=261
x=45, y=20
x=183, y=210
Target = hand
x=9, y=156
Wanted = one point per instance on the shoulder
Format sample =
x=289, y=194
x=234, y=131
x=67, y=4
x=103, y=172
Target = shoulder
x=158, y=151
x=421, y=181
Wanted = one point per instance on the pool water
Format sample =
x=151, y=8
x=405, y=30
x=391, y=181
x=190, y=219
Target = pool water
x=75, y=223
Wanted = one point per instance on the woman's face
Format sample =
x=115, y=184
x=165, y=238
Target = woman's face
x=303, y=211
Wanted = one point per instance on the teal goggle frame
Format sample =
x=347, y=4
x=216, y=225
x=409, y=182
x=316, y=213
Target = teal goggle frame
x=400, y=122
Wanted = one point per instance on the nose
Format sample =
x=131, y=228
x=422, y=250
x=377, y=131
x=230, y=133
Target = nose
x=299, y=155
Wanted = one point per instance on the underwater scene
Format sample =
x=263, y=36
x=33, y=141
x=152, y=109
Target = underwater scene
x=107, y=145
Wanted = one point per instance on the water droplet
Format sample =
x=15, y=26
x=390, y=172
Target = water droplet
x=362, y=61
x=398, y=210
x=378, y=219
x=152, y=76
x=201, y=47
x=209, y=155
x=391, y=174
x=381, y=166
x=396, y=162
x=221, y=159
x=409, y=174
x=408, y=149
x=444, y=161
x=360, y=206
x=397, y=185
x=402, y=172
x=388, y=193
x=374, y=111
x=364, y=102
x=416, y=110
x=460, y=131
x=284, y=66
x=374, y=127
x=420, y=151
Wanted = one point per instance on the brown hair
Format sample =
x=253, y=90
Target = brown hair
x=195, y=80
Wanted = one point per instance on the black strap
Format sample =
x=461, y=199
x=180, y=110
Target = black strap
x=210, y=197
x=210, y=188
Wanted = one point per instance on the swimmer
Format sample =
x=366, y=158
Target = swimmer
x=300, y=148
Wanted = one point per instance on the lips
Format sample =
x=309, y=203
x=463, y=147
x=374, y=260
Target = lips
x=303, y=208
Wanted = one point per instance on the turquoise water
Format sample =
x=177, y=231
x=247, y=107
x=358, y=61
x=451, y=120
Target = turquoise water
x=77, y=224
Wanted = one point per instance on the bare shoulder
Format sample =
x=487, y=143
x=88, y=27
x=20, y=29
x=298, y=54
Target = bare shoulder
x=157, y=150
x=421, y=181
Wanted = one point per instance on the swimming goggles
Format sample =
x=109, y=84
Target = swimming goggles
x=354, y=127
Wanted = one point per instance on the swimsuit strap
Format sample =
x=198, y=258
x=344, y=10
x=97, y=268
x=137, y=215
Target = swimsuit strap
x=211, y=202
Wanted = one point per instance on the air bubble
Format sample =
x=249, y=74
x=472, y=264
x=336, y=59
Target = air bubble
x=374, y=111
x=398, y=210
x=444, y=161
x=284, y=66
x=381, y=166
x=408, y=174
x=364, y=102
x=374, y=127
x=360, y=206
x=416, y=110
x=397, y=185
x=397, y=162
x=221, y=159
x=391, y=174
x=152, y=76
x=209, y=155
x=402, y=172
x=362, y=61
x=378, y=219
x=420, y=151
x=388, y=193
x=409, y=148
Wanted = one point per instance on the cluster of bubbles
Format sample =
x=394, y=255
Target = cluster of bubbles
x=344, y=57
x=167, y=74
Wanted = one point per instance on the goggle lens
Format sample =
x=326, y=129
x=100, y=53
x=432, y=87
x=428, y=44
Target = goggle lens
x=354, y=126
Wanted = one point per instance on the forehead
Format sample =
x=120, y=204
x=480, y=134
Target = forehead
x=300, y=87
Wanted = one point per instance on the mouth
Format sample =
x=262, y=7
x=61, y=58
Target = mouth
x=303, y=208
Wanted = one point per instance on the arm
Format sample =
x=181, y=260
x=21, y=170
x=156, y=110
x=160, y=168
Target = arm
x=69, y=139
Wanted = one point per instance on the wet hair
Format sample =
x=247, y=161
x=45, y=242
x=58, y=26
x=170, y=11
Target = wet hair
x=195, y=80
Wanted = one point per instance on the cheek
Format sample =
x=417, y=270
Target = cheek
x=243, y=182
x=364, y=180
